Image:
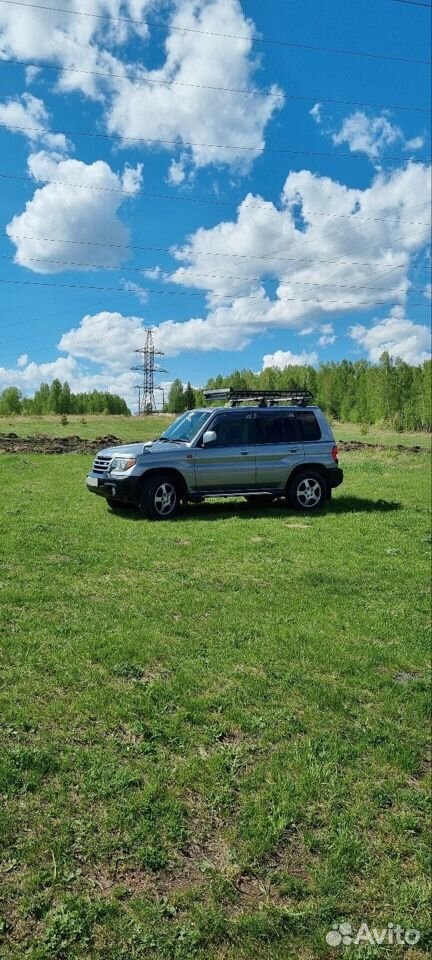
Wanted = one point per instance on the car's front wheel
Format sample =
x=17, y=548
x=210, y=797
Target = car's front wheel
x=307, y=491
x=159, y=498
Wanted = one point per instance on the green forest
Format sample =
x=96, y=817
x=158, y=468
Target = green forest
x=58, y=398
x=390, y=392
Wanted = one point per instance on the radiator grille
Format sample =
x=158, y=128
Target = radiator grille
x=101, y=464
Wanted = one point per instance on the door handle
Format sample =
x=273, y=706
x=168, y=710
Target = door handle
x=244, y=453
x=294, y=450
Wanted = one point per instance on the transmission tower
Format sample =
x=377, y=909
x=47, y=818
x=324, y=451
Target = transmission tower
x=147, y=368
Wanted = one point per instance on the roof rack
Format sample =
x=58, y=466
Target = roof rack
x=264, y=398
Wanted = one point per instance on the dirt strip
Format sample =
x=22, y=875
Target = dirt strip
x=11, y=443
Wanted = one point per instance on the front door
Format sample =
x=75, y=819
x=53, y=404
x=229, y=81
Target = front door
x=227, y=464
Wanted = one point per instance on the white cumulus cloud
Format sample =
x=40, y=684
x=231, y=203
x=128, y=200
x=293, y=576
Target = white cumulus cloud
x=28, y=115
x=79, y=202
x=176, y=102
x=285, y=358
x=325, y=249
x=316, y=112
x=177, y=172
x=397, y=335
x=328, y=336
x=28, y=377
x=110, y=338
x=180, y=103
x=82, y=43
x=107, y=338
x=373, y=135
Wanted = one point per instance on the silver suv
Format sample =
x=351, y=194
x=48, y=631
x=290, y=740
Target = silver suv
x=262, y=445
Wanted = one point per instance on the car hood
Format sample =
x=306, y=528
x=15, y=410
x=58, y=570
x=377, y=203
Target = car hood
x=138, y=449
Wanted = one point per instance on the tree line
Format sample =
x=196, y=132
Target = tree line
x=58, y=398
x=390, y=392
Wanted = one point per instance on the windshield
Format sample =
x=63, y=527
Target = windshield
x=186, y=426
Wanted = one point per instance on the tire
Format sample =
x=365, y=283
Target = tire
x=160, y=498
x=260, y=499
x=307, y=491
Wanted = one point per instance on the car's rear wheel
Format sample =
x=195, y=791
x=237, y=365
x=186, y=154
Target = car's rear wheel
x=160, y=498
x=307, y=491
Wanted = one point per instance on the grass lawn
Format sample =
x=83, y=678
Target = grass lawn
x=382, y=435
x=88, y=427
x=144, y=428
x=214, y=736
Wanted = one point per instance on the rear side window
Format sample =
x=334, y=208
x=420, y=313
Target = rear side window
x=277, y=428
x=309, y=426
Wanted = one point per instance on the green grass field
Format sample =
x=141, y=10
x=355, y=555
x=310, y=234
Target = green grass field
x=214, y=737
x=143, y=428
x=87, y=427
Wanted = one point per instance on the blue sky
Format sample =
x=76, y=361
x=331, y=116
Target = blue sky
x=257, y=224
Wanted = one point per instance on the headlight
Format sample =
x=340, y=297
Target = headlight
x=122, y=464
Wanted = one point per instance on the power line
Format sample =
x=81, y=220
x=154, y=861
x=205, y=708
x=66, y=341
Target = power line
x=47, y=316
x=212, y=202
x=194, y=276
x=217, y=276
x=202, y=86
x=354, y=290
x=214, y=276
x=207, y=146
x=410, y=3
x=225, y=36
x=277, y=255
x=186, y=293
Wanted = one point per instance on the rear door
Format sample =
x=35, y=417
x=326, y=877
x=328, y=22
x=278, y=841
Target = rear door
x=279, y=448
x=228, y=464
x=317, y=442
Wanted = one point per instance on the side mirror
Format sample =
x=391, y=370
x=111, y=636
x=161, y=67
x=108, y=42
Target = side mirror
x=209, y=437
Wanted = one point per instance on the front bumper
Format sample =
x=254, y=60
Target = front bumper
x=124, y=489
x=335, y=477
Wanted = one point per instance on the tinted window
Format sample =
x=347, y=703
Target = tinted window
x=233, y=431
x=309, y=427
x=277, y=428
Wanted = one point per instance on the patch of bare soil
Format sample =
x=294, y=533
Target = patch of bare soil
x=352, y=445
x=189, y=872
x=11, y=443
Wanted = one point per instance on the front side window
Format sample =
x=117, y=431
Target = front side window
x=309, y=426
x=233, y=431
x=277, y=428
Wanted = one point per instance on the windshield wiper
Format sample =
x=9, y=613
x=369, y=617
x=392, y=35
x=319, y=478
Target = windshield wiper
x=171, y=440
